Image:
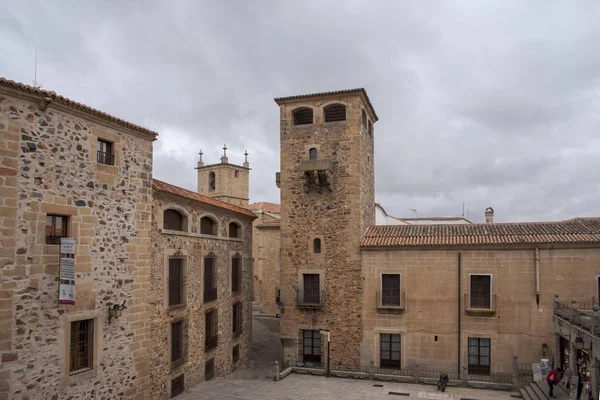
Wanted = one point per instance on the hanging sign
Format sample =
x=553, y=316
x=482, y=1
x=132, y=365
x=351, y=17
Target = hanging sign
x=66, y=294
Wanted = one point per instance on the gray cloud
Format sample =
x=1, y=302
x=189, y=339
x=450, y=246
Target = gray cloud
x=491, y=104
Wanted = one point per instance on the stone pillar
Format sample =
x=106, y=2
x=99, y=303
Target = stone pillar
x=557, y=353
x=416, y=373
x=573, y=310
x=372, y=370
x=276, y=370
x=515, y=373
x=464, y=376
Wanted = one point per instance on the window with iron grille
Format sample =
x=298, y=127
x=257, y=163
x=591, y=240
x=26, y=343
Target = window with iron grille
x=177, y=386
x=390, y=350
x=210, y=287
x=311, y=346
x=210, y=330
x=317, y=246
x=303, y=116
x=390, y=289
x=209, y=369
x=479, y=356
x=335, y=112
x=177, y=343
x=105, y=153
x=237, y=319
x=174, y=220
x=481, y=290
x=176, y=282
x=81, y=346
x=311, y=291
x=56, y=227
x=236, y=353
x=236, y=274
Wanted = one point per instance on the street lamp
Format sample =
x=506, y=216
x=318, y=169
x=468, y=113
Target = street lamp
x=579, y=343
x=115, y=311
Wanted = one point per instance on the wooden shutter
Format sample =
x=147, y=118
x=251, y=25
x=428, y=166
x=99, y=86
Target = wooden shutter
x=176, y=341
x=175, y=281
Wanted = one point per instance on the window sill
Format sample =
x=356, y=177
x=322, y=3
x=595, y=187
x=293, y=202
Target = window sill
x=178, y=363
x=391, y=308
x=199, y=235
x=71, y=379
x=237, y=334
x=484, y=311
x=176, y=307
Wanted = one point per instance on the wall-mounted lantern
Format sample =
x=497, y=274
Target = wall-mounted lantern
x=579, y=343
x=544, y=349
x=115, y=311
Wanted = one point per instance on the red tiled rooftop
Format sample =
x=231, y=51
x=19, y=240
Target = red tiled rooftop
x=577, y=230
x=164, y=187
x=265, y=206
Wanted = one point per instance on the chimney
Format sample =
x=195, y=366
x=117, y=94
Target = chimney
x=489, y=215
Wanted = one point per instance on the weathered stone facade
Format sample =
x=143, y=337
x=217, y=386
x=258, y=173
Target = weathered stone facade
x=192, y=247
x=337, y=215
x=49, y=165
x=224, y=181
x=266, y=239
x=428, y=325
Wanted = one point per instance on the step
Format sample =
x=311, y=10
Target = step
x=534, y=392
x=525, y=394
x=541, y=391
x=559, y=392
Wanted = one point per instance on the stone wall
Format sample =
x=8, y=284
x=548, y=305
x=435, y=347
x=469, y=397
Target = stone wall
x=48, y=166
x=266, y=262
x=232, y=183
x=193, y=247
x=429, y=278
x=338, y=218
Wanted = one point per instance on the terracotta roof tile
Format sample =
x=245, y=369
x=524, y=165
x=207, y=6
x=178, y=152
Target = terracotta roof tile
x=265, y=206
x=577, y=230
x=73, y=104
x=164, y=187
x=346, y=91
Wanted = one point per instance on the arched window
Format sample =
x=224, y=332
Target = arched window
x=208, y=226
x=303, y=116
x=317, y=245
x=211, y=182
x=312, y=154
x=364, y=118
x=335, y=112
x=370, y=128
x=234, y=230
x=174, y=220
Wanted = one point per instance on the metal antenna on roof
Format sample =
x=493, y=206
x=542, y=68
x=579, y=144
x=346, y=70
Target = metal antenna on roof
x=35, y=81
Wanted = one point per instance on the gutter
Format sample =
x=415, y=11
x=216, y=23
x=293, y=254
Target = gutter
x=537, y=276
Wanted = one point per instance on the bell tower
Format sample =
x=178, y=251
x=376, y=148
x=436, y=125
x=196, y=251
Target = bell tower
x=224, y=181
x=327, y=203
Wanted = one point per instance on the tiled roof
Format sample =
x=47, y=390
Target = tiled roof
x=432, y=219
x=265, y=206
x=73, y=104
x=164, y=187
x=577, y=230
x=346, y=91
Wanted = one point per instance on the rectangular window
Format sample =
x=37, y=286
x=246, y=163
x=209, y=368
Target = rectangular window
x=210, y=330
x=277, y=295
x=390, y=289
x=236, y=274
x=311, y=346
x=210, y=289
x=237, y=319
x=177, y=343
x=81, y=346
x=56, y=227
x=390, y=350
x=236, y=353
x=481, y=291
x=177, y=386
x=105, y=153
x=312, y=293
x=479, y=356
x=209, y=369
x=176, y=284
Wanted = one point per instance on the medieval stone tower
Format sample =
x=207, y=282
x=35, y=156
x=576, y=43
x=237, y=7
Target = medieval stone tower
x=224, y=181
x=327, y=202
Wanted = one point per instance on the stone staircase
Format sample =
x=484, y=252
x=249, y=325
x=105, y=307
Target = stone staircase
x=539, y=391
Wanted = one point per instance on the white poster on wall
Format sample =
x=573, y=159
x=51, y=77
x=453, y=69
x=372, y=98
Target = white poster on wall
x=66, y=294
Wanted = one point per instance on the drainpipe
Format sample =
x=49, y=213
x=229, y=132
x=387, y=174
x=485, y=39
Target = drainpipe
x=537, y=276
x=459, y=308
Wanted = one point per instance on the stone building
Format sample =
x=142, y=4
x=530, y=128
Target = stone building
x=201, y=268
x=441, y=294
x=142, y=303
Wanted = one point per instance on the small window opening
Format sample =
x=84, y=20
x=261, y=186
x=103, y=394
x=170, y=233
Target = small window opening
x=105, y=154
x=335, y=112
x=234, y=231
x=317, y=246
x=370, y=128
x=237, y=174
x=435, y=338
x=312, y=154
x=211, y=182
x=303, y=116
x=174, y=220
x=208, y=226
x=56, y=227
x=364, y=118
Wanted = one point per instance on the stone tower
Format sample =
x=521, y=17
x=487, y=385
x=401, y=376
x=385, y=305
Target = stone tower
x=327, y=203
x=224, y=181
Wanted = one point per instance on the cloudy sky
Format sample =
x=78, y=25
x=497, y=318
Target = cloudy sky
x=491, y=103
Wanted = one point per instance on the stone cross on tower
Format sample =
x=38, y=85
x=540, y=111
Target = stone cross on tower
x=246, y=164
x=224, y=159
x=200, y=163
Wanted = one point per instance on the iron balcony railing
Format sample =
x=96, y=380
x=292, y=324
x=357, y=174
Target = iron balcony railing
x=211, y=342
x=105, y=158
x=210, y=294
x=310, y=298
x=391, y=301
x=480, y=304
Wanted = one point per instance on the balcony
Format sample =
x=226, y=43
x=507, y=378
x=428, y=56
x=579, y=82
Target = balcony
x=105, y=158
x=310, y=298
x=480, y=304
x=318, y=174
x=210, y=294
x=393, y=302
x=211, y=342
x=584, y=316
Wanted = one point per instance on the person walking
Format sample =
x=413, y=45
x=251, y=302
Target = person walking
x=552, y=380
